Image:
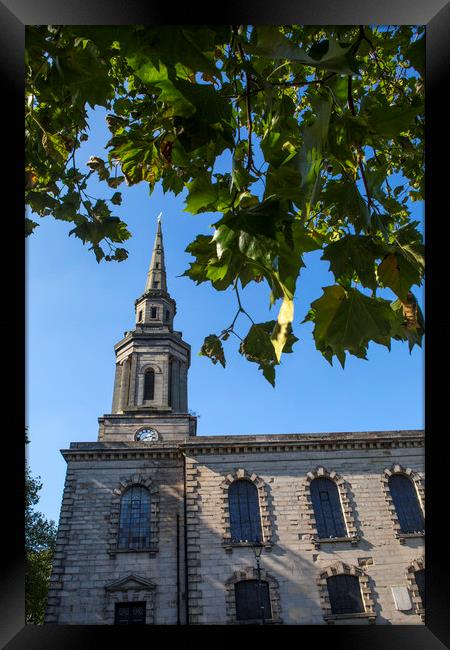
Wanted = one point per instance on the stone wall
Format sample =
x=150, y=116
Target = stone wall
x=86, y=567
x=90, y=575
x=294, y=558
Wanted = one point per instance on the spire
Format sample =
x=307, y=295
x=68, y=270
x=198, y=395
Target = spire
x=156, y=276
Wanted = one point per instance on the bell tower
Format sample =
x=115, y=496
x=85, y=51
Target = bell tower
x=152, y=361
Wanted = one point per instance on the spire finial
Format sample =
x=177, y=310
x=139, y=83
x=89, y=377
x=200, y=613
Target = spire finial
x=156, y=276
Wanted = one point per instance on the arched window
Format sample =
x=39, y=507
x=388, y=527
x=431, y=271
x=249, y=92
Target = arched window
x=252, y=600
x=406, y=504
x=420, y=582
x=134, y=519
x=149, y=385
x=345, y=594
x=327, y=508
x=245, y=522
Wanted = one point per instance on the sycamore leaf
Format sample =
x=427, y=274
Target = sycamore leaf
x=30, y=226
x=399, y=274
x=212, y=348
x=283, y=326
x=258, y=348
x=354, y=253
x=333, y=56
x=311, y=154
x=347, y=320
x=202, y=194
x=409, y=321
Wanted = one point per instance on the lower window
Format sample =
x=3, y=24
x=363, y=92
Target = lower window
x=129, y=614
x=252, y=600
x=345, y=594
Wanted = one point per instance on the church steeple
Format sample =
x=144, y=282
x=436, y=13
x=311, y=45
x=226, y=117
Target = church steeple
x=152, y=361
x=156, y=276
x=155, y=308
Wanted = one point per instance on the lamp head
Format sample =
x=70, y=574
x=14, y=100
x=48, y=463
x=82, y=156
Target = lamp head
x=257, y=548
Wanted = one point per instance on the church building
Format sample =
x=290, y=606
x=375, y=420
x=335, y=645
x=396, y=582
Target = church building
x=161, y=526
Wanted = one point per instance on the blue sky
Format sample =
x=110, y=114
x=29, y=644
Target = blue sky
x=77, y=310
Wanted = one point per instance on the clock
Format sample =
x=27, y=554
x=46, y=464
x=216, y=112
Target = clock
x=146, y=435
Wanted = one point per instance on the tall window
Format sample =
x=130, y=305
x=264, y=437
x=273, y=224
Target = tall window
x=345, y=594
x=134, y=520
x=327, y=508
x=153, y=312
x=129, y=614
x=243, y=503
x=251, y=596
x=406, y=503
x=420, y=582
x=149, y=385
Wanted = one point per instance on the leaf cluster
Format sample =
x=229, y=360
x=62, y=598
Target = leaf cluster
x=324, y=129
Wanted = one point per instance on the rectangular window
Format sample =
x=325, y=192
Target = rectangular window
x=155, y=284
x=129, y=614
x=157, y=265
x=154, y=312
x=140, y=316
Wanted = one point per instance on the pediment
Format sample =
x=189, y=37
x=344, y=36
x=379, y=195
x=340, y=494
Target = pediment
x=131, y=582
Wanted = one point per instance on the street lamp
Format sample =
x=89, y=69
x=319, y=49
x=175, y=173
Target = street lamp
x=257, y=547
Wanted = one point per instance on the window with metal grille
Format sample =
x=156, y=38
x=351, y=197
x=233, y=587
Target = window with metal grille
x=327, y=508
x=406, y=504
x=149, y=384
x=243, y=503
x=129, y=614
x=134, y=520
x=153, y=312
x=345, y=594
x=420, y=582
x=252, y=597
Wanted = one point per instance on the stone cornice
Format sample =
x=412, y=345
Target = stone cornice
x=165, y=336
x=306, y=442
x=276, y=443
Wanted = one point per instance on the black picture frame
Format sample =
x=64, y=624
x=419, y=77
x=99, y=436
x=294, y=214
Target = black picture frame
x=435, y=14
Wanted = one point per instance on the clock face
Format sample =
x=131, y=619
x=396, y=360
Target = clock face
x=146, y=435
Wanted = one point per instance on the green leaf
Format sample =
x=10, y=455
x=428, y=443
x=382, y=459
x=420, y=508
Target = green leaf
x=202, y=195
x=354, y=253
x=398, y=273
x=212, y=348
x=261, y=219
x=30, y=226
x=345, y=200
x=271, y=43
x=311, y=154
x=346, y=320
x=389, y=121
x=258, y=347
x=416, y=54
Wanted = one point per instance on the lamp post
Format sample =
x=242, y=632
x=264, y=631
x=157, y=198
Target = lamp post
x=257, y=547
